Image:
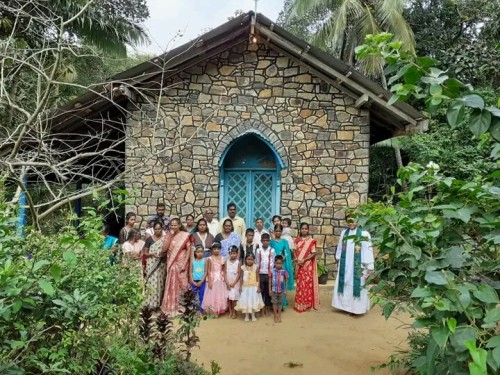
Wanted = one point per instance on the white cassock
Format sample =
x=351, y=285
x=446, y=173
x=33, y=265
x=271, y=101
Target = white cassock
x=346, y=301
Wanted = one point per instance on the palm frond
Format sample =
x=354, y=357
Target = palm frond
x=390, y=14
x=107, y=31
x=301, y=7
x=322, y=38
x=348, y=11
x=370, y=65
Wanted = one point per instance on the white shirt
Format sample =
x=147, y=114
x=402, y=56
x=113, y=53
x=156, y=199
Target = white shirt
x=213, y=227
x=265, y=259
x=258, y=235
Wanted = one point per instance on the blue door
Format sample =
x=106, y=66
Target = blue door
x=253, y=192
x=250, y=179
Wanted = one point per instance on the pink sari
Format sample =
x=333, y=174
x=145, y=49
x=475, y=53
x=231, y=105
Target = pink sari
x=307, y=295
x=177, y=272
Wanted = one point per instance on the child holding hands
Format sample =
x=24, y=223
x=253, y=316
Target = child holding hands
x=198, y=274
x=215, y=299
x=233, y=276
x=250, y=300
x=277, y=283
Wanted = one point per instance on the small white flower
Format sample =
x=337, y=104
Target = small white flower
x=432, y=165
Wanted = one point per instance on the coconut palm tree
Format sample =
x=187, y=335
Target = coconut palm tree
x=110, y=25
x=349, y=21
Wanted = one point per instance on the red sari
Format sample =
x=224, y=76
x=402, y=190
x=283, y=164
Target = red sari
x=307, y=295
x=178, y=255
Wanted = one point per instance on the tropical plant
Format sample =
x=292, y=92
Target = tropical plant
x=461, y=34
x=108, y=24
x=439, y=241
x=60, y=301
x=438, y=260
x=419, y=78
x=321, y=269
x=303, y=26
x=190, y=319
x=347, y=23
x=64, y=308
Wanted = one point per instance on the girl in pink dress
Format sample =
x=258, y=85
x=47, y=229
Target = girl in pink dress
x=233, y=277
x=215, y=299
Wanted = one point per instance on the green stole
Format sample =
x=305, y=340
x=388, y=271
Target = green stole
x=356, y=291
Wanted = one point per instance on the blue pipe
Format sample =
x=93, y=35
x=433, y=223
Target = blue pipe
x=21, y=220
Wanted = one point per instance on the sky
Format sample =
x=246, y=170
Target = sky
x=175, y=22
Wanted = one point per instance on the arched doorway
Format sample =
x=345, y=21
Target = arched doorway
x=250, y=177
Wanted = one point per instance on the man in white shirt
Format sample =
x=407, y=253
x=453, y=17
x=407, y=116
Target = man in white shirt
x=259, y=231
x=265, y=264
x=238, y=222
x=213, y=224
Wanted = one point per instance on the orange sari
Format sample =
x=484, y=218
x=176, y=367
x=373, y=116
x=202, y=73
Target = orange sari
x=176, y=282
x=307, y=295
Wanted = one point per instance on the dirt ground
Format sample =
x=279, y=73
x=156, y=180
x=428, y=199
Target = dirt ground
x=325, y=342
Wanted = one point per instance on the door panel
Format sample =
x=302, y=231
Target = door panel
x=237, y=188
x=253, y=192
x=263, y=196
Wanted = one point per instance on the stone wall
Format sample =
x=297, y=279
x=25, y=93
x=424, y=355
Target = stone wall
x=172, y=153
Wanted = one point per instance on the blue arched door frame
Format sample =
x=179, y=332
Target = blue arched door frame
x=276, y=173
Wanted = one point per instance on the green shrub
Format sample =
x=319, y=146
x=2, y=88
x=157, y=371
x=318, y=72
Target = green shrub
x=438, y=260
x=64, y=309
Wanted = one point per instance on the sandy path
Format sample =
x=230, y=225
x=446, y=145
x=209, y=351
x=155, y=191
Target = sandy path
x=324, y=341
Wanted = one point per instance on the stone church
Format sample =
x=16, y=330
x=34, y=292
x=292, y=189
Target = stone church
x=250, y=114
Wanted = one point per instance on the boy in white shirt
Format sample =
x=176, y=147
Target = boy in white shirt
x=265, y=264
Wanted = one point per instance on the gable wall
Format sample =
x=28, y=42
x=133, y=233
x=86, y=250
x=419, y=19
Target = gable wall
x=172, y=154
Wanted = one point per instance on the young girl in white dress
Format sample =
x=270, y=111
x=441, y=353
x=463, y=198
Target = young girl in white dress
x=233, y=280
x=250, y=300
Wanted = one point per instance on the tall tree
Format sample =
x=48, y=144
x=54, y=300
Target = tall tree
x=347, y=22
x=108, y=24
x=460, y=33
x=44, y=44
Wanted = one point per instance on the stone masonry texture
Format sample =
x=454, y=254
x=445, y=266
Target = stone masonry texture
x=175, y=141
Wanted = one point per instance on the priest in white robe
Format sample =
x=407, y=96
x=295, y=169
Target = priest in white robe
x=355, y=263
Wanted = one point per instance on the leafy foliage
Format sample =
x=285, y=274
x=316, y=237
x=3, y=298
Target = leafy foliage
x=438, y=259
x=462, y=34
x=304, y=26
x=64, y=308
x=107, y=24
x=344, y=24
x=455, y=150
x=60, y=304
x=420, y=78
x=439, y=239
x=190, y=319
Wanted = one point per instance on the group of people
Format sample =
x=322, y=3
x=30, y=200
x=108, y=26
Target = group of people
x=233, y=268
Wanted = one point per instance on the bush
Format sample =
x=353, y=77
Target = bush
x=63, y=308
x=438, y=260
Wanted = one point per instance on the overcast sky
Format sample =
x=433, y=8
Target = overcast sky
x=194, y=17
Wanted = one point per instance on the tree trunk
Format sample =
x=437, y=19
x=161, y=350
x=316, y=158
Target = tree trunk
x=399, y=162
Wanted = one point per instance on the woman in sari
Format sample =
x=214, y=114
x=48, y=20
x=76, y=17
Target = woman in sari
x=307, y=295
x=132, y=251
x=129, y=225
x=281, y=247
x=178, y=245
x=189, y=225
x=203, y=237
x=227, y=238
x=156, y=268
